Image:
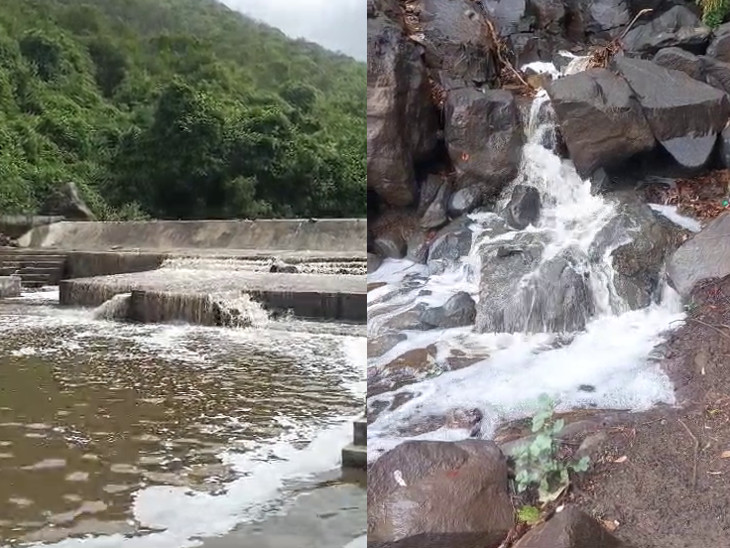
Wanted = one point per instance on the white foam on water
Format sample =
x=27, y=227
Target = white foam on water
x=672, y=213
x=187, y=516
x=114, y=308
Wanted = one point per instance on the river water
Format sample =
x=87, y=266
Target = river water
x=606, y=365
x=160, y=435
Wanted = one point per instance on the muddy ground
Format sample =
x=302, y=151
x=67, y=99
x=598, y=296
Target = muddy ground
x=662, y=478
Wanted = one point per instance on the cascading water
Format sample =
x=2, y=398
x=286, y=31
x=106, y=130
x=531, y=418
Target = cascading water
x=555, y=323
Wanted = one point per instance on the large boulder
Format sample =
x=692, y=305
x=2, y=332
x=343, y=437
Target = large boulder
x=436, y=213
x=570, y=528
x=678, y=27
x=521, y=293
x=679, y=59
x=10, y=286
x=401, y=119
x=685, y=115
x=719, y=47
x=549, y=14
x=703, y=257
x=430, y=494
x=508, y=16
x=601, y=121
x=458, y=311
x=638, y=264
x=605, y=17
x=716, y=73
x=484, y=138
x=66, y=201
x=454, y=35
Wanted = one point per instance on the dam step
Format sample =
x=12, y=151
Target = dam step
x=35, y=267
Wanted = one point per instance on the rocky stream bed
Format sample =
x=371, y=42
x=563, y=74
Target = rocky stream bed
x=547, y=186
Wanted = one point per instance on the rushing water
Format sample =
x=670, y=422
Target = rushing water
x=606, y=365
x=156, y=435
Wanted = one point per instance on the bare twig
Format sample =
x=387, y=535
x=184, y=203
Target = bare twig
x=696, y=452
x=633, y=21
x=719, y=331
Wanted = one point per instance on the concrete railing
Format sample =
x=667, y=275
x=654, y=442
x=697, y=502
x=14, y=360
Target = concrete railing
x=333, y=235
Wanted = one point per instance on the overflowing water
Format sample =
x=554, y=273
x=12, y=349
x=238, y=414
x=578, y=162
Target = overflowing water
x=160, y=435
x=607, y=364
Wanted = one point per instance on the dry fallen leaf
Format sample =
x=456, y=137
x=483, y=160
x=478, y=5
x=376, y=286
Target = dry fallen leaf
x=610, y=525
x=725, y=455
x=621, y=459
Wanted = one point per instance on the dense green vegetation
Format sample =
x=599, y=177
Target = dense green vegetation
x=175, y=109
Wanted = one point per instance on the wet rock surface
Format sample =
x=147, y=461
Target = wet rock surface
x=458, y=311
x=484, y=137
x=570, y=528
x=523, y=208
x=601, y=120
x=401, y=121
x=677, y=27
x=685, y=115
x=434, y=494
x=518, y=293
x=704, y=256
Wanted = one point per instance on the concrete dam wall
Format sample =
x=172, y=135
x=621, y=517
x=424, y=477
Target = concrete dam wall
x=323, y=235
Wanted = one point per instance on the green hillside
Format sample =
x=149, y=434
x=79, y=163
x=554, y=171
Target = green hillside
x=175, y=109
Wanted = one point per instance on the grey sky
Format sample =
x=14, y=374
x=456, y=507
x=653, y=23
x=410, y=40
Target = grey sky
x=338, y=25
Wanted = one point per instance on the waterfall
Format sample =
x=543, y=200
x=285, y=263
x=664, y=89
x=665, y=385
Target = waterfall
x=116, y=308
x=551, y=318
x=240, y=311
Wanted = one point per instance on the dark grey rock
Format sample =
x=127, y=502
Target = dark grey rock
x=455, y=41
x=401, y=120
x=601, y=121
x=549, y=14
x=685, y=115
x=429, y=190
x=418, y=248
x=704, y=256
x=430, y=494
x=390, y=246
x=716, y=73
x=523, y=208
x=679, y=59
x=677, y=27
x=465, y=200
x=436, y=215
x=639, y=241
x=507, y=15
x=570, y=528
x=719, y=47
x=450, y=243
x=605, y=16
x=374, y=262
x=282, y=267
x=555, y=297
x=458, y=311
x=483, y=137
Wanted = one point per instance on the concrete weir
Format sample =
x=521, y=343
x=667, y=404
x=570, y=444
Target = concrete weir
x=106, y=259
x=168, y=295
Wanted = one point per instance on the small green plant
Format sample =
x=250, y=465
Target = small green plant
x=528, y=514
x=537, y=464
x=714, y=12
